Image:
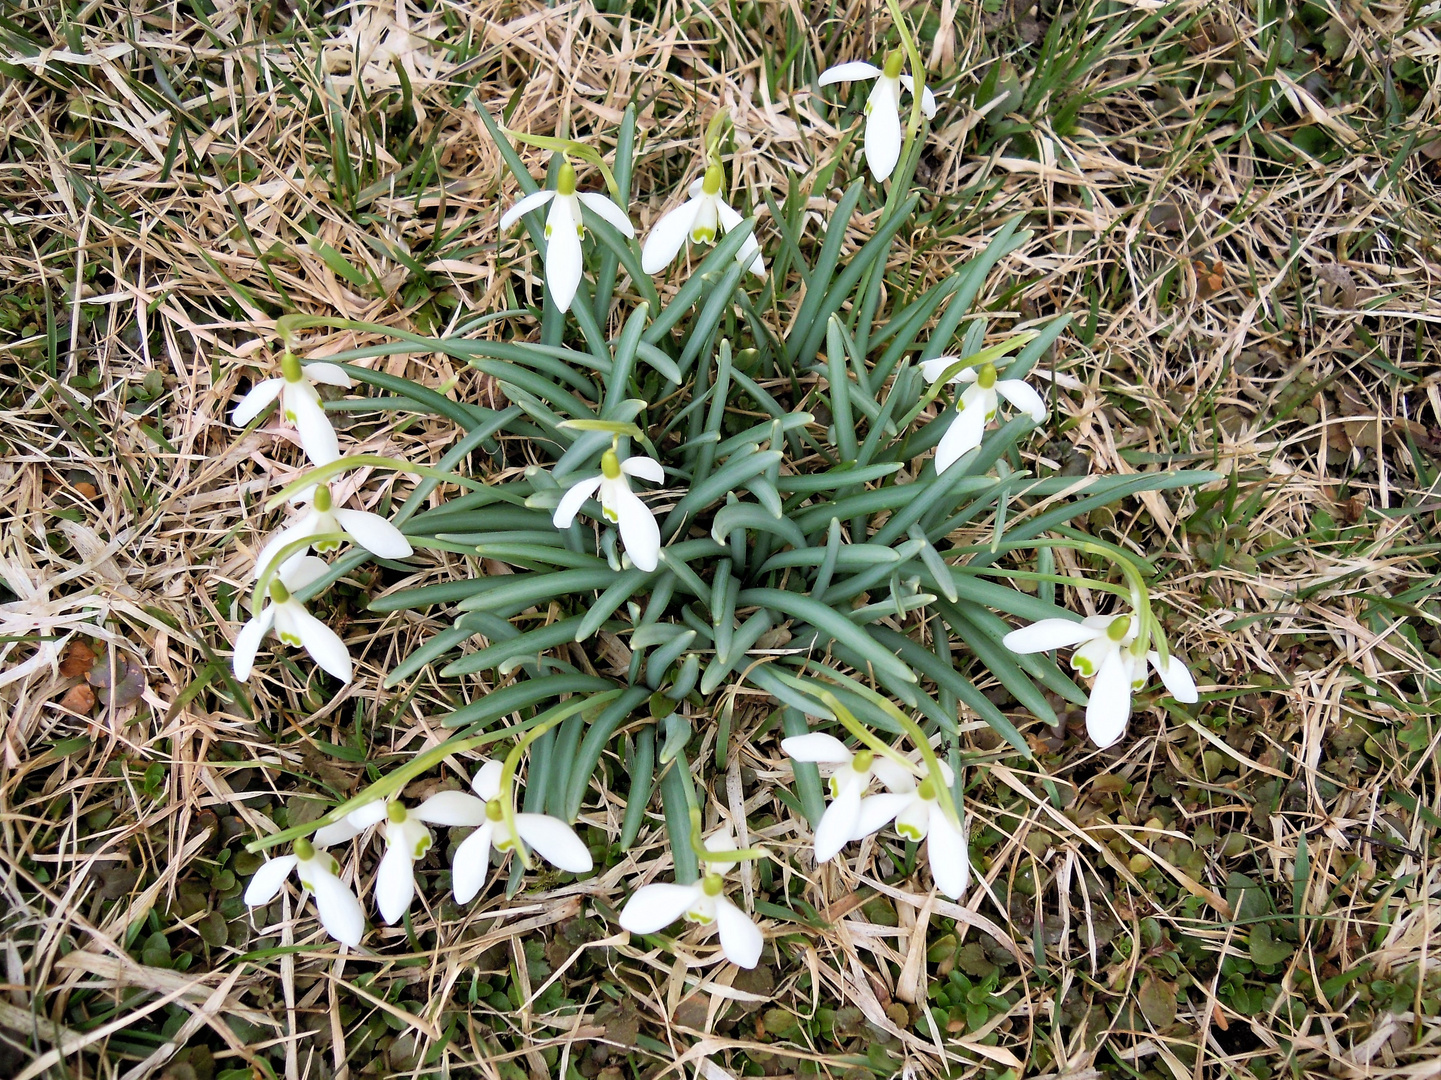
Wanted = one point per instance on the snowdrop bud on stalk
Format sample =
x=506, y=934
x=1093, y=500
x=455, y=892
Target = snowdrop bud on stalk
x=340, y=912
x=370, y=531
x=699, y=218
x=292, y=623
x=553, y=839
x=621, y=506
x=654, y=907
x=883, y=107
x=977, y=405
x=564, y=230
x=1109, y=652
x=299, y=403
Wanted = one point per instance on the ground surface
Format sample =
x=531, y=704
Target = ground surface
x=1236, y=201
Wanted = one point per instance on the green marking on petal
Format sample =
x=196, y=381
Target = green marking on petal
x=1084, y=666
x=910, y=832
x=292, y=640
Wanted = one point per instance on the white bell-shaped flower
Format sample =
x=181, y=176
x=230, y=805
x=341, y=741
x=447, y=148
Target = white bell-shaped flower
x=883, y=107
x=978, y=405
x=1106, y=654
x=292, y=623
x=918, y=814
x=700, y=218
x=564, y=230
x=340, y=912
x=299, y=403
x=621, y=506
x=848, y=782
x=654, y=907
x=551, y=838
x=370, y=531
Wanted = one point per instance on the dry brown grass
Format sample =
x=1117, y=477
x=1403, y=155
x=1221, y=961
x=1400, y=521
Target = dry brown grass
x=1274, y=318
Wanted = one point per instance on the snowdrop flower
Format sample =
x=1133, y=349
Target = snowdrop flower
x=621, y=506
x=978, y=404
x=699, y=218
x=370, y=531
x=340, y=912
x=654, y=907
x=883, y=107
x=553, y=839
x=1106, y=653
x=848, y=783
x=292, y=623
x=299, y=403
x=564, y=230
x=918, y=815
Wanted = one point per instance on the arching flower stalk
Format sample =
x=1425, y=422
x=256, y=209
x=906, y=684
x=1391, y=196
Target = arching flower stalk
x=299, y=404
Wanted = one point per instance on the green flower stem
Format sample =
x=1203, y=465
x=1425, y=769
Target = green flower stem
x=705, y=855
x=392, y=783
x=268, y=572
x=848, y=720
x=322, y=473
x=573, y=149
x=1057, y=579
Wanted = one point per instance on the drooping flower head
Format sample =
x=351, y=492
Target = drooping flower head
x=700, y=218
x=564, y=230
x=621, y=506
x=917, y=811
x=851, y=775
x=292, y=623
x=977, y=405
x=299, y=404
x=323, y=518
x=654, y=907
x=340, y=912
x=551, y=838
x=1109, y=653
x=883, y=107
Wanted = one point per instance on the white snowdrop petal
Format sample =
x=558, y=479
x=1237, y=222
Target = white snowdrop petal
x=371, y=813
x=654, y=907
x=877, y=811
x=374, y=534
x=340, y=912
x=573, y=499
x=604, y=208
x=964, y=435
x=266, y=883
x=645, y=468
x=534, y=201
x=487, y=780
x=303, y=571
x=563, y=255
x=247, y=642
x=306, y=526
x=394, y=882
x=749, y=254
x=254, y=402
x=851, y=72
x=741, y=939
x=1046, y=635
x=451, y=808
x=928, y=99
x=321, y=642
x=667, y=237
x=472, y=864
x=1109, y=708
x=330, y=374
x=317, y=435
x=638, y=529
x=838, y=823
x=883, y=129
x=1024, y=397
x=555, y=842
x=817, y=747
x=949, y=858
x=337, y=832
x=1176, y=676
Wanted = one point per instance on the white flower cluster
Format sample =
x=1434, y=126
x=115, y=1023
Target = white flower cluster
x=1116, y=650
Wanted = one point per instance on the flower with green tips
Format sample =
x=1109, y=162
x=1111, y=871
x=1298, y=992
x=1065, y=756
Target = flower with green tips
x=700, y=218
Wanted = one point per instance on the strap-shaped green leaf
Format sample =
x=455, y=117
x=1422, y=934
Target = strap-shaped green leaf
x=526, y=644
x=522, y=695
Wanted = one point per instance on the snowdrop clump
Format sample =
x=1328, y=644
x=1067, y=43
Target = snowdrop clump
x=791, y=528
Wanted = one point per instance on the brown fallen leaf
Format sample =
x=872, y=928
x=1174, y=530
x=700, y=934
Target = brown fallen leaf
x=79, y=699
x=1209, y=282
x=77, y=659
